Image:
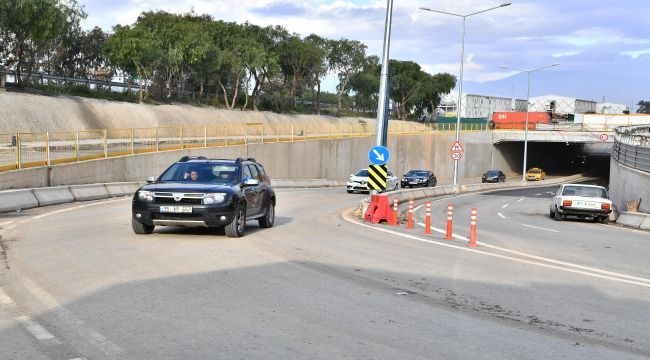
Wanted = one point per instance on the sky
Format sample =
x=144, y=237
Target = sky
x=608, y=37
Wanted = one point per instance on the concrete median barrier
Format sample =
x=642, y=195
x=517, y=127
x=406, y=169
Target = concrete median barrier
x=122, y=189
x=53, y=195
x=645, y=225
x=632, y=219
x=89, y=192
x=430, y=192
x=404, y=195
x=13, y=200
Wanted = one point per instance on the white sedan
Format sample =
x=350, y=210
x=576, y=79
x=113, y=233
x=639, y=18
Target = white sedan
x=359, y=181
x=582, y=201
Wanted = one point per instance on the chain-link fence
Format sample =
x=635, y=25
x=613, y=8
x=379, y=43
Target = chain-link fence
x=8, y=152
x=632, y=147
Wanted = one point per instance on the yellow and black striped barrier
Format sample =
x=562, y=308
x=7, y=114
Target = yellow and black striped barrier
x=377, y=177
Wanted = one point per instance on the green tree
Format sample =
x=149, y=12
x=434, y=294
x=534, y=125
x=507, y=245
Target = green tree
x=365, y=84
x=319, y=68
x=406, y=81
x=297, y=58
x=644, y=107
x=134, y=50
x=346, y=58
x=32, y=30
x=431, y=90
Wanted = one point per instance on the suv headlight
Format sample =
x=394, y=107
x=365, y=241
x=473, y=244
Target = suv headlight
x=215, y=198
x=145, y=195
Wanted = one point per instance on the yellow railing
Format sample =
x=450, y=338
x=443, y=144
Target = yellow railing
x=24, y=150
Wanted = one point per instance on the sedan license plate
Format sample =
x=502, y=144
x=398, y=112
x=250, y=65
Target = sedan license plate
x=413, y=182
x=176, y=209
x=587, y=204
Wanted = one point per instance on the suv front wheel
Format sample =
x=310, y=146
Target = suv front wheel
x=237, y=226
x=140, y=228
x=269, y=218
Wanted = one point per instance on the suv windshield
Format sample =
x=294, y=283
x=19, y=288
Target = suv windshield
x=203, y=173
x=362, y=173
x=417, y=173
x=585, y=191
x=492, y=173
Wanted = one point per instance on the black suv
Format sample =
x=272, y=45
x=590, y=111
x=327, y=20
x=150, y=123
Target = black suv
x=197, y=191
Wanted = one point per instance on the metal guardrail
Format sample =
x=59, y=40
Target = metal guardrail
x=25, y=150
x=632, y=147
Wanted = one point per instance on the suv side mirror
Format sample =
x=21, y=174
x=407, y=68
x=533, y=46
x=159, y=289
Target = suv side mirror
x=151, y=179
x=250, y=182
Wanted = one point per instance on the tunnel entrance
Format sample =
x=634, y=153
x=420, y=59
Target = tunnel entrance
x=558, y=158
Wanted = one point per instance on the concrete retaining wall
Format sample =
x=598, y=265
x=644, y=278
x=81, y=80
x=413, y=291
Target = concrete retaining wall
x=627, y=184
x=333, y=159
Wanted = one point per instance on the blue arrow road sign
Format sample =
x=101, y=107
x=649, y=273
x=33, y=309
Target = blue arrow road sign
x=378, y=155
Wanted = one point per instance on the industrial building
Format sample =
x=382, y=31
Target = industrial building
x=478, y=106
x=612, y=109
x=558, y=104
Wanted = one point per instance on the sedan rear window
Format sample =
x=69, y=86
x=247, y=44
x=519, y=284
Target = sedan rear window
x=584, y=191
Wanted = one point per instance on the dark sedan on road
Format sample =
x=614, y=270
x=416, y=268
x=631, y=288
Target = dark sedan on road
x=415, y=178
x=493, y=176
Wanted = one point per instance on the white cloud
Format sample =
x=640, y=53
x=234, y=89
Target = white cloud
x=526, y=34
x=566, y=53
x=637, y=54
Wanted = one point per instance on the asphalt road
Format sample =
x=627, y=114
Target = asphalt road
x=77, y=283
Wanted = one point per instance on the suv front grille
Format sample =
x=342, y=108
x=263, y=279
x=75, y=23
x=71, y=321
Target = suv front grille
x=165, y=200
x=186, y=198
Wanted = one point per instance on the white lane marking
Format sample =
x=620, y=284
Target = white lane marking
x=505, y=206
x=82, y=358
x=6, y=300
x=539, y=228
x=96, y=339
x=520, y=200
x=501, y=216
x=463, y=248
x=35, y=328
x=538, y=194
x=541, y=258
x=77, y=208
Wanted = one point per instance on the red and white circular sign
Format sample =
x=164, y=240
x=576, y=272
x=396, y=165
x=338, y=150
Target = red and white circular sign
x=604, y=137
x=456, y=155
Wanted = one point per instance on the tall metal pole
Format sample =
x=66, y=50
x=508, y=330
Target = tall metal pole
x=460, y=97
x=382, y=118
x=523, y=174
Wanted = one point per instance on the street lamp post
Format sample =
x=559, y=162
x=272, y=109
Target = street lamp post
x=523, y=175
x=462, y=60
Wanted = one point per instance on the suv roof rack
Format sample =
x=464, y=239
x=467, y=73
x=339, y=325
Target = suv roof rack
x=188, y=158
x=239, y=160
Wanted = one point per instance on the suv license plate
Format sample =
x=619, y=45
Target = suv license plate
x=176, y=209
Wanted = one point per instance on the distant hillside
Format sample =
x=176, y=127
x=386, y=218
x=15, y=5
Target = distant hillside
x=583, y=85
